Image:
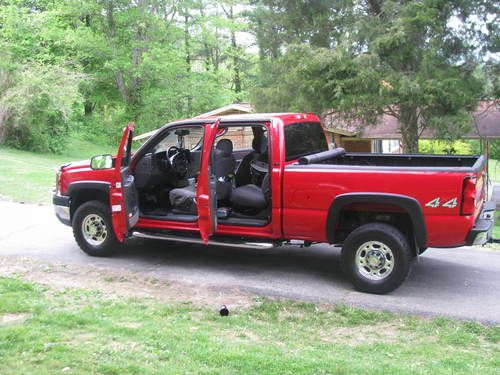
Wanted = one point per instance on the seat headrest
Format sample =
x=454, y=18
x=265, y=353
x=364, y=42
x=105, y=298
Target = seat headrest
x=259, y=144
x=225, y=146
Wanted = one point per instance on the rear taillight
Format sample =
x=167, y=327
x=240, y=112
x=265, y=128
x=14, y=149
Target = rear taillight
x=468, y=196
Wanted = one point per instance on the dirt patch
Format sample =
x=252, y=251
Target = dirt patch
x=113, y=282
x=8, y=319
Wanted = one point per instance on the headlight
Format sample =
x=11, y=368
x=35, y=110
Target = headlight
x=58, y=178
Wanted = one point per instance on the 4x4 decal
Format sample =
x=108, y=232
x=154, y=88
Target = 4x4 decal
x=436, y=202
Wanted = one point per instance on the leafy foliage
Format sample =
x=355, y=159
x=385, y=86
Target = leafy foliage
x=458, y=147
x=40, y=104
x=97, y=64
x=420, y=61
x=147, y=61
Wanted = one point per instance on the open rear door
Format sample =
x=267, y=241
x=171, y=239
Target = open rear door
x=123, y=194
x=206, y=191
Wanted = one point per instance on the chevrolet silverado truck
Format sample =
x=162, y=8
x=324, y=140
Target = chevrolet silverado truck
x=263, y=180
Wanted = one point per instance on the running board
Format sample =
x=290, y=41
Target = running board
x=229, y=242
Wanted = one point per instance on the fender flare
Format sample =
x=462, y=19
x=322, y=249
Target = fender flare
x=75, y=187
x=408, y=204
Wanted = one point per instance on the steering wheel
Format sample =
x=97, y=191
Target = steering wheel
x=179, y=160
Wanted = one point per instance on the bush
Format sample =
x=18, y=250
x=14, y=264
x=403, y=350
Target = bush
x=97, y=129
x=40, y=102
x=495, y=149
x=448, y=147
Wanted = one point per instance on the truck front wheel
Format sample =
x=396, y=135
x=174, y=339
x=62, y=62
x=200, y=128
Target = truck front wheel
x=93, y=230
x=376, y=257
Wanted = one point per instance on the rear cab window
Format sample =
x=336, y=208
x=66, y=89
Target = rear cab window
x=304, y=138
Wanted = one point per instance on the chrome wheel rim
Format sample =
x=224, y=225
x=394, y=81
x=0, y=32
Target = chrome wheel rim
x=94, y=229
x=374, y=260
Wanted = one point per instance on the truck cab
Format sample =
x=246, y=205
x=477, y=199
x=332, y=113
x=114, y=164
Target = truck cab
x=262, y=180
x=207, y=177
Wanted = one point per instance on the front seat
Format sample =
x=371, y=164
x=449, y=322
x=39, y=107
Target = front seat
x=183, y=200
x=252, y=196
x=260, y=151
x=224, y=165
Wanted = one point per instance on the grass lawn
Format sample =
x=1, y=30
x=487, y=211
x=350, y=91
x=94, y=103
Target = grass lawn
x=494, y=173
x=75, y=331
x=494, y=170
x=29, y=177
x=496, y=228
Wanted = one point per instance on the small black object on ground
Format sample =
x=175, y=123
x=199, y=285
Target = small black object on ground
x=223, y=311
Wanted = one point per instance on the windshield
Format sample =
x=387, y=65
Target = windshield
x=304, y=138
x=189, y=137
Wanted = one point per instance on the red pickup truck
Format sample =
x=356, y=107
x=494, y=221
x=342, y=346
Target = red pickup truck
x=263, y=180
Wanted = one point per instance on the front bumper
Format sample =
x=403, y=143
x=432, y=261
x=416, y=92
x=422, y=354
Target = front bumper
x=483, y=227
x=61, y=207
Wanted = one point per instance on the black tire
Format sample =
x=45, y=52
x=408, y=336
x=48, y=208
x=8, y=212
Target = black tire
x=381, y=234
x=109, y=244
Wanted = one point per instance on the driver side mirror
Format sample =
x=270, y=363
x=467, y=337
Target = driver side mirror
x=101, y=161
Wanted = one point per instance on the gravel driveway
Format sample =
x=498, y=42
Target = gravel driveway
x=460, y=283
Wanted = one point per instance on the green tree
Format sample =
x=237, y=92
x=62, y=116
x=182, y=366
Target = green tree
x=39, y=102
x=151, y=61
x=420, y=61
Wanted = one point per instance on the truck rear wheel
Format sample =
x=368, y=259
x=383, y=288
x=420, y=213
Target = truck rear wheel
x=93, y=230
x=376, y=257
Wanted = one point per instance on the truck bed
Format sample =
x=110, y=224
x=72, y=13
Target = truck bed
x=338, y=158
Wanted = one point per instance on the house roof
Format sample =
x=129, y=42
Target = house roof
x=486, y=125
x=231, y=109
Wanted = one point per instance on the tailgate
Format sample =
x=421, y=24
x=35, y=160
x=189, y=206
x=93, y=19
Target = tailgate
x=474, y=190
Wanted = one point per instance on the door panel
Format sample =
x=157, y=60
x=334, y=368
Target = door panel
x=143, y=170
x=207, y=220
x=123, y=188
x=131, y=198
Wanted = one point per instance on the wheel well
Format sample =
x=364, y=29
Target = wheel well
x=349, y=211
x=85, y=195
x=351, y=216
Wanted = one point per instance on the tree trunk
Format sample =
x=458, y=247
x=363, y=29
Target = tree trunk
x=236, y=58
x=236, y=62
x=408, y=125
x=119, y=77
x=88, y=107
x=141, y=37
x=122, y=87
x=3, y=124
x=187, y=46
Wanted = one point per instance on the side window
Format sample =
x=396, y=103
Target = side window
x=186, y=137
x=304, y=138
x=241, y=136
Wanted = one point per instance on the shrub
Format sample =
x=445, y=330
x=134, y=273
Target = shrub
x=40, y=102
x=448, y=147
x=495, y=149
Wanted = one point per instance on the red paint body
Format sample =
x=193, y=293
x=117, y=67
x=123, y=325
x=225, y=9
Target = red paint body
x=301, y=198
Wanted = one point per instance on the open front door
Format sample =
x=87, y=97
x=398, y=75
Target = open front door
x=123, y=194
x=206, y=191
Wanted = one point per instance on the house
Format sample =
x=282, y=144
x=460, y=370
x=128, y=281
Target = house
x=385, y=136
x=231, y=109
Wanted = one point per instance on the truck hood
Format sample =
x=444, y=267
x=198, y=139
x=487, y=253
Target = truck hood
x=82, y=164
